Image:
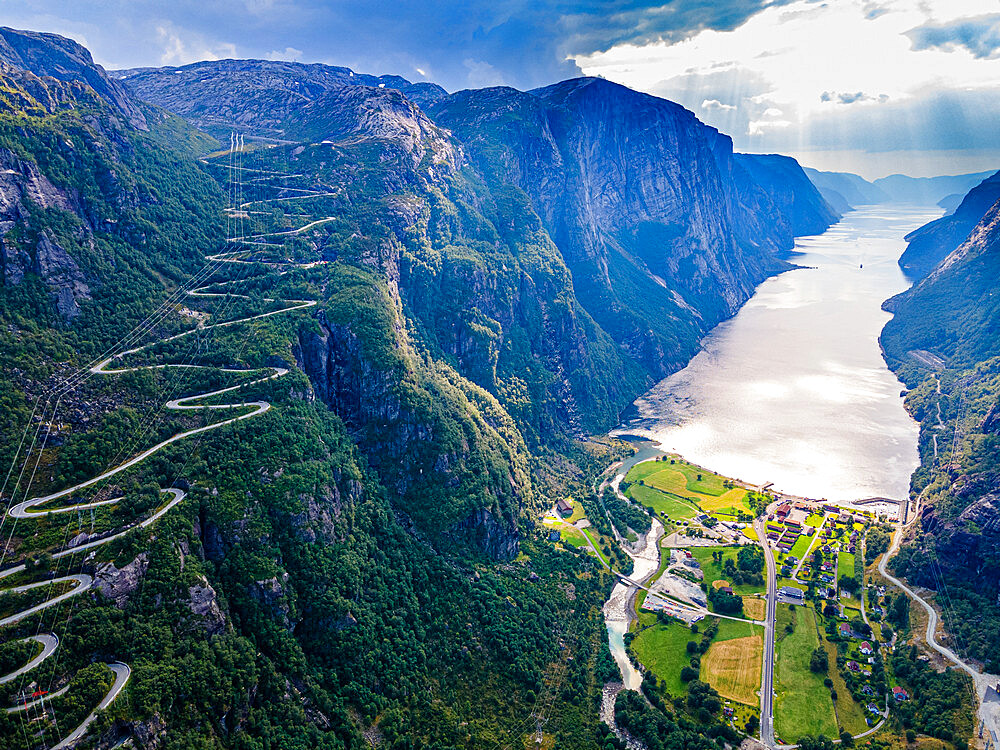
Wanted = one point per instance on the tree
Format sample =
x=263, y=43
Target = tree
x=819, y=662
x=688, y=674
x=911, y=736
x=849, y=583
x=846, y=739
x=692, y=647
x=750, y=559
x=752, y=724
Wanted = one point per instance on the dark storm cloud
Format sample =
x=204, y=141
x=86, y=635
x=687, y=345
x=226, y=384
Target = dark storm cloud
x=980, y=35
x=457, y=44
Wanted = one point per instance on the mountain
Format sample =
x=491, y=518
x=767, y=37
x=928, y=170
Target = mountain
x=927, y=190
x=798, y=200
x=357, y=348
x=844, y=190
x=944, y=341
x=661, y=227
x=930, y=244
x=950, y=202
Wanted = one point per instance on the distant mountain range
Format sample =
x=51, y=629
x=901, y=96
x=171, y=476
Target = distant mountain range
x=844, y=190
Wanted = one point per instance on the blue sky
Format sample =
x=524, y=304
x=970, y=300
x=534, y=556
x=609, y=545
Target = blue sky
x=870, y=85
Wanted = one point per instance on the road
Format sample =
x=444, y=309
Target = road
x=32, y=508
x=767, y=670
x=82, y=582
x=49, y=644
x=981, y=680
x=122, y=673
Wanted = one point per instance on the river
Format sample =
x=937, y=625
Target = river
x=793, y=390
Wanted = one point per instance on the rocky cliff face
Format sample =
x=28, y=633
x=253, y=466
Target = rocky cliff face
x=663, y=232
x=798, y=200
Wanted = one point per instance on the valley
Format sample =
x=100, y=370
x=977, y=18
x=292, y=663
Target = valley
x=340, y=411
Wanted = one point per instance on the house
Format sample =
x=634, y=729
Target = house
x=783, y=510
x=791, y=592
x=872, y=707
x=564, y=507
x=791, y=559
x=853, y=666
x=726, y=589
x=831, y=508
x=867, y=689
x=845, y=629
x=727, y=712
x=866, y=648
x=900, y=694
x=554, y=535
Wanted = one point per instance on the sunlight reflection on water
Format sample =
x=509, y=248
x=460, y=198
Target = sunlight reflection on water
x=794, y=390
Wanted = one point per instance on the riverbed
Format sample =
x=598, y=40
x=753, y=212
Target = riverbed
x=793, y=390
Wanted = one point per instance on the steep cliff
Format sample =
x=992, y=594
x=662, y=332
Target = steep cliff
x=798, y=200
x=663, y=231
x=932, y=243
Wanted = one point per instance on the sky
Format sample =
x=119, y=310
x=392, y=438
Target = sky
x=871, y=86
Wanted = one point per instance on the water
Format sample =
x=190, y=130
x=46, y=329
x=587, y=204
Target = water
x=794, y=390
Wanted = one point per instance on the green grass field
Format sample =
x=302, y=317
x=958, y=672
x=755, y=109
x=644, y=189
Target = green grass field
x=713, y=571
x=801, y=546
x=663, y=650
x=802, y=703
x=845, y=565
x=814, y=519
x=729, y=629
x=666, y=504
x=681, y=478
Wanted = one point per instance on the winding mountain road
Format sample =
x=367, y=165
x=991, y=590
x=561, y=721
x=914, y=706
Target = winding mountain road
x=35, y=507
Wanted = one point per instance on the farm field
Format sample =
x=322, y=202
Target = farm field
x=733, y=667
x=802, y=703
x=682, y=479
x=850, y=715
x=754, y=608
x=845, y=565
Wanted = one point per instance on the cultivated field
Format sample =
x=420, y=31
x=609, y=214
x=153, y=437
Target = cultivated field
x=733, y=668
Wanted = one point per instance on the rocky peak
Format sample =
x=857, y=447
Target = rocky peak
x=63, y=59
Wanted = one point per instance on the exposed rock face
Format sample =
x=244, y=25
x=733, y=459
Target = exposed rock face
x=203, y=605
x=664, y=232
x=966, y=547
x=62, y=275
x=414, y=451
x=270, y=594
x=802, y=205
x=305, y=102
x=65, y=60
x=119, y=584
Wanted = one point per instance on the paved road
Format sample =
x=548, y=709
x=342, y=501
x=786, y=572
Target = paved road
x=767, y=670
x=49, y=644
x=981, y=680
x=83, y=583
x=122, y=673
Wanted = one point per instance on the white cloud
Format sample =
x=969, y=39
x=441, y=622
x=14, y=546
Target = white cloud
x=181, y=47
x=289, y=54
x=716, y=104
x=807, y=60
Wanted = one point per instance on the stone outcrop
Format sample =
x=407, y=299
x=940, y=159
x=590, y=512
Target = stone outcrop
x=204, y=606
x=118, y=584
